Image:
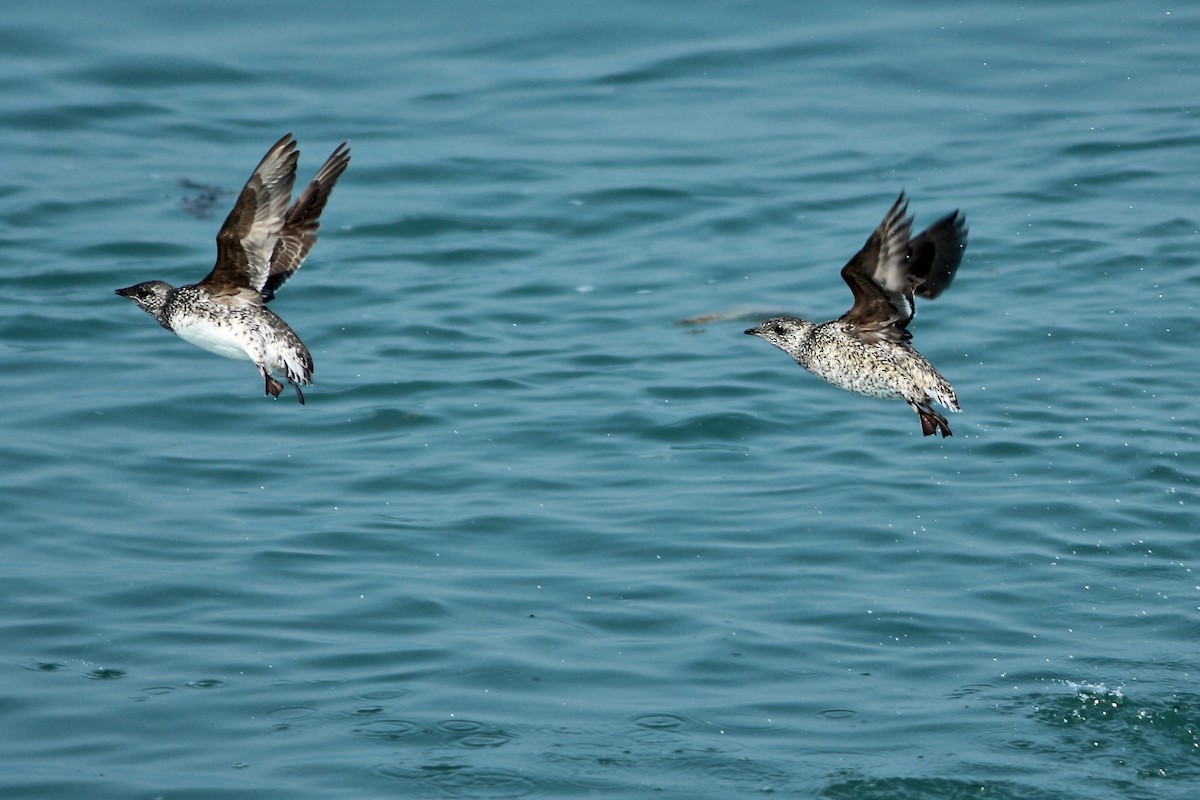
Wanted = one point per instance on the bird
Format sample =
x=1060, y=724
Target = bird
x=868, y=349
x=261, y=244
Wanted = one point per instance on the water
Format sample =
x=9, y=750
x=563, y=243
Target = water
x=531, y=537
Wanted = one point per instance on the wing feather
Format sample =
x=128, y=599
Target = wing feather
x=249, y=234
x=299, y=231
x=878, y=277
x=891, y=267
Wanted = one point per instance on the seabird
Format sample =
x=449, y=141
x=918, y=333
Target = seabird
x=262, y=242
x=867, y=350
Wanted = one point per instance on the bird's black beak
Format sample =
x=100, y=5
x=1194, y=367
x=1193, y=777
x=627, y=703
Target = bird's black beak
x=751, y=332
x=126, y=292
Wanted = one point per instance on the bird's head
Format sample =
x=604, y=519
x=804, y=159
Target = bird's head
x=787, y=333
x=150, y=296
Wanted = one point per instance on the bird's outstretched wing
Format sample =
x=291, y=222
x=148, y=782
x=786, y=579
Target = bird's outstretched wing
x=891, y=267
x=248, y=237
x=935, y=253
x=300, y=224
x=877, y=275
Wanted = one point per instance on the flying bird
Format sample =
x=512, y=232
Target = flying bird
x=261, y=244
x=868, y=349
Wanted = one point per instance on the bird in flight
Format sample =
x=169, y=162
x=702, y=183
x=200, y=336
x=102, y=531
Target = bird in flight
x=261, y=244
x=868, y=349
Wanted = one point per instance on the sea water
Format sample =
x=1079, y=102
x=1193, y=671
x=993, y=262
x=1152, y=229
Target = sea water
x=531, y=536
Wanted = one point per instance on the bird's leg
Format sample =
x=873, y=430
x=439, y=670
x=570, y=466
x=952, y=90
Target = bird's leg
x=931, y=421
x=941, y=423
x=273, y=387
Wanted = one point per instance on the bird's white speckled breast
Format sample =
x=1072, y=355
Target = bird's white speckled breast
x=875, y=370
x=215, y=337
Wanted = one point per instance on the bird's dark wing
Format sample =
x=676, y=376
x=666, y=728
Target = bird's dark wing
x=935, y=253
x=250, y=232
x=299, y=232
x=878, y=277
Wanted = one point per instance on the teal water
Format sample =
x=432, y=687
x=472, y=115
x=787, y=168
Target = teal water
x=532, y=537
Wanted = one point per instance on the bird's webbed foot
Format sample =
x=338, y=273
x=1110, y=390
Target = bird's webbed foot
x=273, y=387
x=931, y=421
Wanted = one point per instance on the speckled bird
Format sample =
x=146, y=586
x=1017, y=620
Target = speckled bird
x=261, y=244
x=868, y=349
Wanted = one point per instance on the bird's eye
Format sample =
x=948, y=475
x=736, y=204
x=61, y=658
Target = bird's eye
x=778, y=330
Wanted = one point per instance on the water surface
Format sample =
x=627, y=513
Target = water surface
x=531, y=537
